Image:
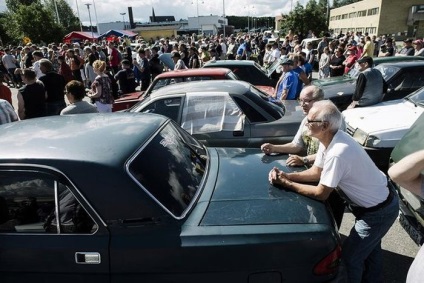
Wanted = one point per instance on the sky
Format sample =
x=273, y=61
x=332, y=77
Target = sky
x=110, y=10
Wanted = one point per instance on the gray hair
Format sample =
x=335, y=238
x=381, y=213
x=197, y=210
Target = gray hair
x=327, y=111
x=47, y=64
x=317, y=92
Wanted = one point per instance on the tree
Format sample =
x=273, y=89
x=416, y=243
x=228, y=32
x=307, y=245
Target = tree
x=31, y=21
x=13, y=5
x=301, y=20
x=67, y=19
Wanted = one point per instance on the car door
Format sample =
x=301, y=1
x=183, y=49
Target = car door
x=404, y=83
x=34, y=246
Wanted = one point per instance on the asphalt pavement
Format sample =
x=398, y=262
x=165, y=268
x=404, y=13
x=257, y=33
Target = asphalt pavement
x=398, y=248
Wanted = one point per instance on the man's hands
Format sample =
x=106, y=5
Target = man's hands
x=267, y=148
x=278, y=177
x=294, y=160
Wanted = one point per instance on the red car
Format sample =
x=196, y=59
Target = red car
x=179, y=76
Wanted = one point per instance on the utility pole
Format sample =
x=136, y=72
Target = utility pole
x=89, y=15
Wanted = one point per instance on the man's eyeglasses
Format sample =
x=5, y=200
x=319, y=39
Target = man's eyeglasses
x=310, y=122
x=301, y=101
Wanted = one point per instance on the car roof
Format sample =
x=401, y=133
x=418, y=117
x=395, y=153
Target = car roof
x=404, y=64
x=230, y=86
x=393, y=59
x=104, y=138
x=195, y=72
x=223, y=63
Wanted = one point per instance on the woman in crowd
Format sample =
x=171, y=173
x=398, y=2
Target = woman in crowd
x=101, y=89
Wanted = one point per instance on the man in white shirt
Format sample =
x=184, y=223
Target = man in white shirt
x=275, y=52
x=342, y=163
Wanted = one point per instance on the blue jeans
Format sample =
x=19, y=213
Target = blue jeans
x=361, y=251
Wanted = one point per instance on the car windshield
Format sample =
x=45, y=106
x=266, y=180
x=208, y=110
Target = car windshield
x=417, y=97
x=387, y=71
x=171, y=168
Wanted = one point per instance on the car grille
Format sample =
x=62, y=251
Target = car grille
x=350, y=130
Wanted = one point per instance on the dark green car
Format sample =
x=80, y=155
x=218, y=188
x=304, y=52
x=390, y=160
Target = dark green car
x=411, y=206
x=340, y=89
x=129, y=197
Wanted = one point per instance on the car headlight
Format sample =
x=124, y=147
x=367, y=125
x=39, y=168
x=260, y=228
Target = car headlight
x=360, y=136
x=372, y=141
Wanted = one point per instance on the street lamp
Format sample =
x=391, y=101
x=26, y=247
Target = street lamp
x=123, y=18
x=197, y=7
x=89, y=15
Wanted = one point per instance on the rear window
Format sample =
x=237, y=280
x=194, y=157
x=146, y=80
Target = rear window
x=171, y=169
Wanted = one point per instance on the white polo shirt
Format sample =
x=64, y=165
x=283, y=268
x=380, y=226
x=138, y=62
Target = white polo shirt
x=346, y=165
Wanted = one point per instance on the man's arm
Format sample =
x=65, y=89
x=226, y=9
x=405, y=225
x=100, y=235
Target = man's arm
x=290, y=147
x=407, y=172
x=21, y=106
x=319, y=192
x=360, y=87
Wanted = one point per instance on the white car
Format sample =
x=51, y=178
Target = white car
x=380, y=127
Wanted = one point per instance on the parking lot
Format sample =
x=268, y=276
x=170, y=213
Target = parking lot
x=399, y=250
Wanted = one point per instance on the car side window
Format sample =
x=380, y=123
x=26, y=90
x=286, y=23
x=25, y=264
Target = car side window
x=169, y=107
x=251, y=113
x=408, y=81
x=30, y=202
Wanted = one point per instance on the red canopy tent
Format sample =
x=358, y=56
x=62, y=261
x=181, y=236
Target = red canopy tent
x=77, y=36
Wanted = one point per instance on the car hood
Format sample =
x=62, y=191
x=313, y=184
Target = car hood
x=337, y=89
x=389, y=116
x=243, y=195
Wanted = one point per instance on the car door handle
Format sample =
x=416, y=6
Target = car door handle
x=87, y=258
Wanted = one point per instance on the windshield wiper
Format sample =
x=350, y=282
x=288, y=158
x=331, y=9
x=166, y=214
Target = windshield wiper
x=412, y=101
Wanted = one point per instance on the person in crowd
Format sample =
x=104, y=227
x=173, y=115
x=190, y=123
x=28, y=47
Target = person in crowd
x=9, y=62
x=7, y=113
x=336, y=63
x=38, y=55
x=31, y=97
x=232, y=49
x=101, y=89
x=155, y=64
x=387, y=49
x=142, y=69
x=302, y=77
x=75, y=93
x=64, y=69
x=351, y=59
x=74, y=63
x=193, y=58
x=287, y=84
x=407, y=173
x=54, y=84
x=267, y=59
x=368, y=48
x=370, y=85
x=89, y=59
x=114, y=57
x=419, y=50
x=5, y=92
x=205, y=55
x=125, y=78
x=179, y=64
x=324, y=64
x=408, y=49
x=275, y=52
x=321, y=45
x=374, y=204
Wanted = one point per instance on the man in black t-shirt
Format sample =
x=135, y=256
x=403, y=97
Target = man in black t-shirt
x=125, y=78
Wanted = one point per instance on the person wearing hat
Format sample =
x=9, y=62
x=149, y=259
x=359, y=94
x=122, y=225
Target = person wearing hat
x=419, y=50
x=179, y=64
x=408, y=49
x=370, y=85
x=287, y=84
x=351, y=59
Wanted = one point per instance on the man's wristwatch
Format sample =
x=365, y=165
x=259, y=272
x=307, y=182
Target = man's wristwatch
x=305, y=160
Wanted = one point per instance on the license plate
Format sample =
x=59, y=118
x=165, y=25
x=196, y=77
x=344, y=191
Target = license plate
x=413, y=232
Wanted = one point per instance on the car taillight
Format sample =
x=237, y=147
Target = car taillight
x=330, y=263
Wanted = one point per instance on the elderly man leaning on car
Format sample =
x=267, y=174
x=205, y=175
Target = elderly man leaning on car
x=303, y=142
x=7, y=113
x=342, y=163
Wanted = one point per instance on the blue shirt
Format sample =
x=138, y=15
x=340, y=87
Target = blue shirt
x=298, y=71
x=289, y=82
